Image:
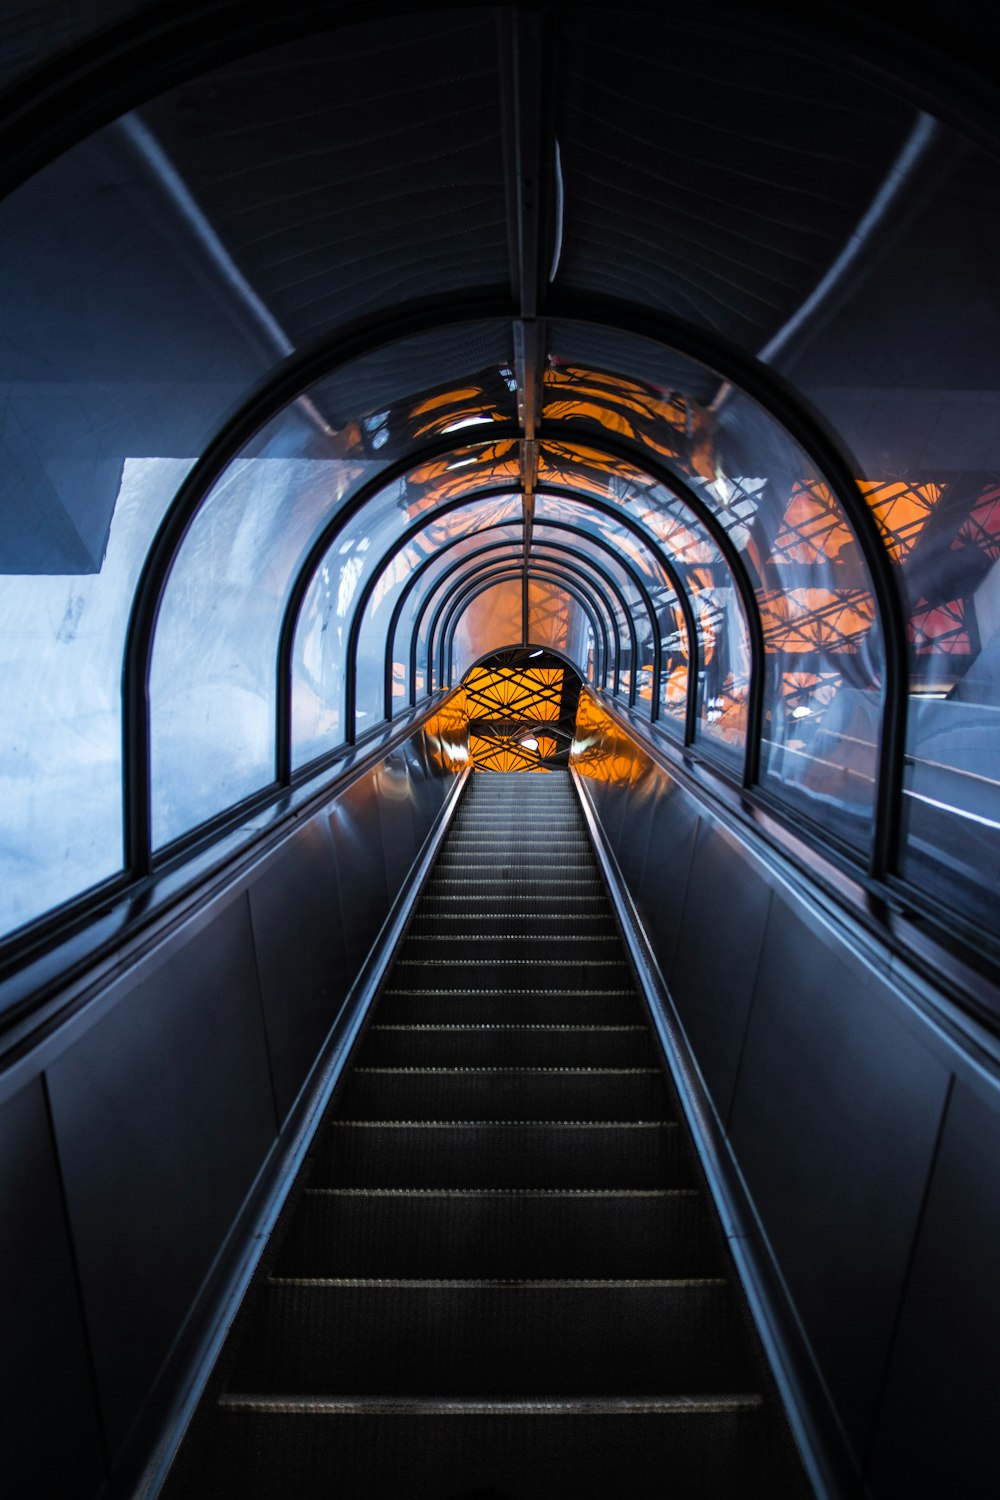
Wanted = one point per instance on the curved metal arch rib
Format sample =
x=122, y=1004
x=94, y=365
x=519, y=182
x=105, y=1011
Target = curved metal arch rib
x=464, y=595
x=562, y=526
x=415, y=577
x=444, y=447
x=794, y=416
x=291, y=380
x=302, y=369
x=411, y=534
x=326, y=538
x=447, y=642
x=648, y=540
x=553, y=557
x=569, y=436
x=595, y=608
x=601, y=668
x=441, y=604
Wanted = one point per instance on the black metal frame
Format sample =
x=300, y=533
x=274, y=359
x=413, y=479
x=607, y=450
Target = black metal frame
x=414, y=647
x=412, y=533
x=322, y=361
x=569, y=435
x=602, y=626
x=796, y=418
x=446, y=666
x=275, y=393
x=581, y=568
x=623, y=562
x=401, y=542
x=87, y=86
x=59, y=104
x=601, y=668
x=464, y=596
x=648, y=540
x=270, y=398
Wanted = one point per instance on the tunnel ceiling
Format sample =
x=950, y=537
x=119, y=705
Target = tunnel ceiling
x=339, y=351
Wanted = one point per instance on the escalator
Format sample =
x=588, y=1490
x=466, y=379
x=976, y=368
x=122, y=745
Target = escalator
x=499, y=1273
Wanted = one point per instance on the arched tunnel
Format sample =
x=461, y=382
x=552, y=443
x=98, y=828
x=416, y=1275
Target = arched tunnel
x=500, y=613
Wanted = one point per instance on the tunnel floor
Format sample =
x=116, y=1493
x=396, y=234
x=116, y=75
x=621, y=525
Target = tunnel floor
x=499, y=1273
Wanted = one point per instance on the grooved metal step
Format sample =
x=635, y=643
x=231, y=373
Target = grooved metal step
x=501, y=1275
x=504, y=1094
x=501, y=1339
x=539, y=1234
x=498, y=1154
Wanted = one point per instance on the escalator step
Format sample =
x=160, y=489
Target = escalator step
x=546, y=1005
x=510, y=1338
x=519, y=924
x=536, y=1233
x=503, y=1155
x=520, y=973
x=501, y=1276
x=623, y=1045
x=544, y=947
x=488, y=1451
x=495, y=1093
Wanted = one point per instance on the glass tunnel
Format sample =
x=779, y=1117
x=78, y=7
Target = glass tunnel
x=614, y=389
x=204, y=601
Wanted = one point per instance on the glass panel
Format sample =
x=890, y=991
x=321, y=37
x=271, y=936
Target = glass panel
x=544, y=572
x=62, y=637
x=554, y=552
x=472, y=520
x=493, y=621
x=908, y=373
x=319, y=657
x=228, y=589
x=824, y=652
x=213, y=678
x=118, y=359
x=430, y=589
x=722, y=635
x=945, y=540
x=488, y=623
x=556, y=619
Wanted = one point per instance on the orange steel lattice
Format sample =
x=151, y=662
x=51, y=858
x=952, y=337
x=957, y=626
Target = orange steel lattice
x=514, y=715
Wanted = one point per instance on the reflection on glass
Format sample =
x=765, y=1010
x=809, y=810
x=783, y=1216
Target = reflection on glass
x=212, y=684
x=447, y=564
x=479, y=522
x=944, y=537
x=600, y=751
x=63, y=636
x=320, y=651
x=420, y=613
x=824, y=670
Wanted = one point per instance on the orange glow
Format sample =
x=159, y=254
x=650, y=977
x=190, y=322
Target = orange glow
x=806, y=620
x=600, y=751
x=447, y=734
x=813, y=527
x=902, y=511
x=490, y=621
x=675, y=686
x=664, y=423
x=446, y=398
x=509, y=708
